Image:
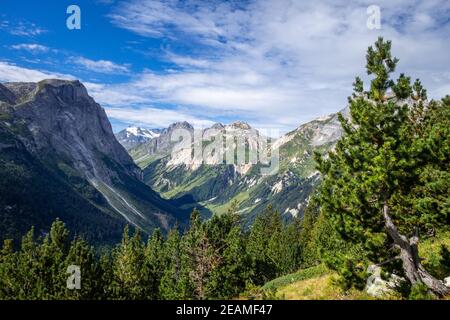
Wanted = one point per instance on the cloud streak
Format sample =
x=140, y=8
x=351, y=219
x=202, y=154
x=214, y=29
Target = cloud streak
x=12, y=73
x=22, y=28
x=100, y=66
x=155, y=117
x=31, y=47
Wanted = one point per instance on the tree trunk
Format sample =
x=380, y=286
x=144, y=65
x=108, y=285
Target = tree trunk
x=409, y=254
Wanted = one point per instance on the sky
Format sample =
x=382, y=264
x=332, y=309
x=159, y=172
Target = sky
x=272, y=63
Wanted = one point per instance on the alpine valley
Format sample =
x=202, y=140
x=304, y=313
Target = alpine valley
x=211, y=186
x=60, y=159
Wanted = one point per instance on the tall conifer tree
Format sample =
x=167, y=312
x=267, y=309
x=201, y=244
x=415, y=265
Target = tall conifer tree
x=368, y=180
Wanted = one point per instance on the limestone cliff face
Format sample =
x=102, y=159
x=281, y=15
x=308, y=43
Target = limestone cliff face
x=63, y=118
x=68, y=135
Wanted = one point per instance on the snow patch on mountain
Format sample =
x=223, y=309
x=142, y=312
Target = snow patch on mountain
x=277, y=187
x=133, y=136
x=141, y=132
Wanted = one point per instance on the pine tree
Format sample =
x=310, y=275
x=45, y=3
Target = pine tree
x=51, y=280
x=309, y=250
x=154, y=265
x=368, y=179
x=261, y=234
x=82, y=255
x=8, y=271
x=430, y=195
x=231, y=270
x=171, y=286
x=28, y=265
x=292, y=248
x=199, y=257
x=275, y=244
x=106, y=276
x=230, y=276
x=380, y=63
x=128, y=274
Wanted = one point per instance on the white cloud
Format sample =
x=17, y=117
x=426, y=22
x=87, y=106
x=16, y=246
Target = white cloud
x=115, y=95
x=273, y=63
x=279, y=61
x=151, y=18
x=101, y=66
x=186, y=61
x=12, y=73
x=155, y=117
x=31, y=47
x=22, y=28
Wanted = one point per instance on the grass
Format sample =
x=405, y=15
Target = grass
x=186, y=187
x=429, y=248
x=223, y=208
x=430, y=252
x=319, y=288
x=315, y=283
x=303, y=274
x=144, y=161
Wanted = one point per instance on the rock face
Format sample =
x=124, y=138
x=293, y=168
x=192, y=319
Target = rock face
x=160, y=146
x=6, y=96
x=164, y=145
x=377, y=287
x=447, y=281
x=134, y=136
x=58, y=131
x=64, y=119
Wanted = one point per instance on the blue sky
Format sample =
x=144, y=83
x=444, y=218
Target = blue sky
x=273, y=63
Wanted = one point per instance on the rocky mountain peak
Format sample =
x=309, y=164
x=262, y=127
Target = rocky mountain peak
x=218, y=126
x=132, y=131
x=6, y=95
x=63, y=132
x=21, y=89
x=180, y=125
x=240, y=125
x=63, y=118
x=67, y=90
x=133, y=136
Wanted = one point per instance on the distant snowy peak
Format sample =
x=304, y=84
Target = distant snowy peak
x=133, y=136
x=142, y=132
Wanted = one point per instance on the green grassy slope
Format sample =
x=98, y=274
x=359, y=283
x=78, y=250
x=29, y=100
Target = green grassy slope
x=318, y=283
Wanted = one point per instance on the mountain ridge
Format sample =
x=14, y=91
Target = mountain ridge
x=134, y=135
x=215, y=185
x=55, y=127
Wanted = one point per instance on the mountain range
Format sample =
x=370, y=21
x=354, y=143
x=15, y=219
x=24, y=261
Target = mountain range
x=212, y=185
x=134, y=136
x=59, y=158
